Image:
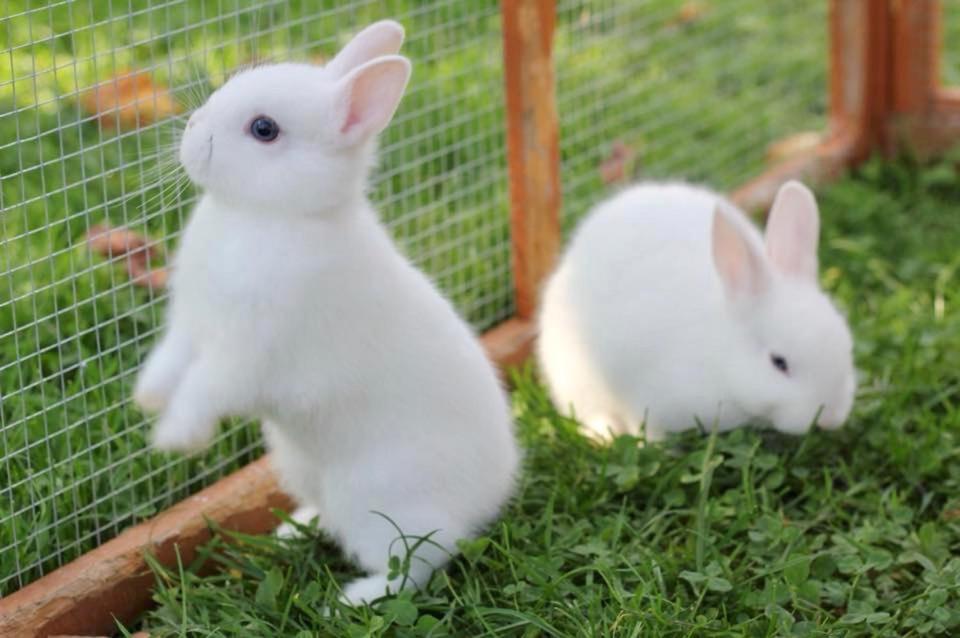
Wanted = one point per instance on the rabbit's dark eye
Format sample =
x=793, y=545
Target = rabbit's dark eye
x=264, y=129
x=779, y=363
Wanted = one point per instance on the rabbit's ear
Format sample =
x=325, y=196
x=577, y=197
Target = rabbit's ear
x=738, y=260
x=367, y=97
x=793, y=229
x=379, y=39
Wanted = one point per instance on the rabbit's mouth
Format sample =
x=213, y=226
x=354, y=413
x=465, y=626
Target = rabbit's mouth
x=209, y=150
x=836, y=416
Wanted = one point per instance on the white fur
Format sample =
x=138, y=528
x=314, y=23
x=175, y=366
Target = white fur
x=290, y=303
x=668, y=304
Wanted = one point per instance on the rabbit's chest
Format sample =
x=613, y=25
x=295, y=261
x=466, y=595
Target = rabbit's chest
x=231, y=263
x=242, y=286
x=228, y=274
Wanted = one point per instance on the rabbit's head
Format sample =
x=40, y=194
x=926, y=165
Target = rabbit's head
x=796, y=366
x=295, y=138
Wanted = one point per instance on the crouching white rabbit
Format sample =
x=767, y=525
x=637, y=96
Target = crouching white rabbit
x=289, y=302
x=670, y=308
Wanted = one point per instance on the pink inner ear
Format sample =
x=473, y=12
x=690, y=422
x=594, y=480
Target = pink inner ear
x=793, y=230
x=369, y=95
x=352, y=119
x=740, y=268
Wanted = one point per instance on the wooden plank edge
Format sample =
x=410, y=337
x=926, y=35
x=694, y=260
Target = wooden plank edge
x=948, y=99
x=113, y=581
x=510, y=343
x=824, y=164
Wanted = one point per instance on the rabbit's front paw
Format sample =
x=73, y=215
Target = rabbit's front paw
x=150, y=398
x=161, y=374
x=177, y=433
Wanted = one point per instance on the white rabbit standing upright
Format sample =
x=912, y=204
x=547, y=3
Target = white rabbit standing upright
x=669, y=306
x=290, y=302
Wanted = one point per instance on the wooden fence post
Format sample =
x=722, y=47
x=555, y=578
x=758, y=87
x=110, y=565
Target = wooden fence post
x=533, y=149
x=925, y=117
x=915, y=57
x=859, y=73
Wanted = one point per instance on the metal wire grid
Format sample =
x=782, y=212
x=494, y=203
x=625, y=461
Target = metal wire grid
x=682, y=88
x=443, y=187
x=74, y=469
x=950, y=62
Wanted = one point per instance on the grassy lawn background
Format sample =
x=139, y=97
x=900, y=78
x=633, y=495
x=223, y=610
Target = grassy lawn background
x=696, y=96
x=848, y=533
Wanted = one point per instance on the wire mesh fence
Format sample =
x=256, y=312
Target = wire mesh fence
x=950, y=57
x=671, y=88
x=90, y=101
x=90, y=96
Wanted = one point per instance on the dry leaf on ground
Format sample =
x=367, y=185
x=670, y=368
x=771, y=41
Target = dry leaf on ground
x=616, y=167
x=140, y=253
x=690, y=12
x=130, y=99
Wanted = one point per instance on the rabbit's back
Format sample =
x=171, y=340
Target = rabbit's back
x=634, y=301
x=650, y=242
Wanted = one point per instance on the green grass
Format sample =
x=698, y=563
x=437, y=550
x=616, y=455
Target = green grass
x=847, y=533
x=700, y=99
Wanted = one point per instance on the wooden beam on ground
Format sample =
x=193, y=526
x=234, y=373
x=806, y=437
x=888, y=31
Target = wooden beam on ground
x=84, y=596
x=533, y=145
x=826, y=163
x=510, y=343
